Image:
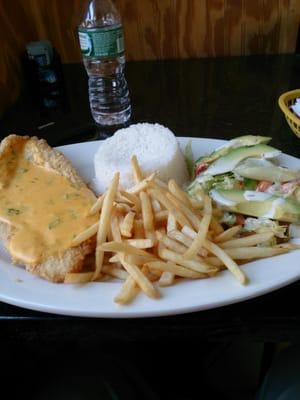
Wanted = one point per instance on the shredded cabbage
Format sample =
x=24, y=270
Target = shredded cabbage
x=223, y=181
x=294, y=230
x=260, y=225
x=228, y=218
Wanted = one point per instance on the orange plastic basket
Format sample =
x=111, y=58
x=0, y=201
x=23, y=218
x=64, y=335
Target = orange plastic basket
x=285, y=101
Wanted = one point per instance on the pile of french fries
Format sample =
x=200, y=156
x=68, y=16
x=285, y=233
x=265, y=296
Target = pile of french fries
x=153, y=234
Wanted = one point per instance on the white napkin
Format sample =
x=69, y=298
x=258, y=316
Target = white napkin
x=296, y=107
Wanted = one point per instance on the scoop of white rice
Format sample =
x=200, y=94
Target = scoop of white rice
x=155, y=147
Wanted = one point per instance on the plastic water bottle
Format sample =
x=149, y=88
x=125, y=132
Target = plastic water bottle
x=102, y=47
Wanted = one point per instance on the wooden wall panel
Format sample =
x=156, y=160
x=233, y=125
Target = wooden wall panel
x=253, y=25
x=186, y=12
x=214, y=37
x=154, y=29
x=233, y=28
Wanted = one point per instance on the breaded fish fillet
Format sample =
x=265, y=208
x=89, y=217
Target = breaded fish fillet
x=55, y=266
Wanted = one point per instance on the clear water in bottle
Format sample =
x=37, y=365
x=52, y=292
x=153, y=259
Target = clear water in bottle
x=102, y=47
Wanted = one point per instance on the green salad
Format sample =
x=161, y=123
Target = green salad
x=248, y=183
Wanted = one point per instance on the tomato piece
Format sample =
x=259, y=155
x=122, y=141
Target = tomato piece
x=240, y=219
x=288, y=187
x=201, y=168
x=263, y=186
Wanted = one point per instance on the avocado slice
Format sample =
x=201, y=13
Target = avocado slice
x=234, y=157
x=257, y=204
x=247, y=140
x=261, y=169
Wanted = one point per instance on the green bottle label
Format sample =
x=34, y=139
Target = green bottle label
x=101, y=42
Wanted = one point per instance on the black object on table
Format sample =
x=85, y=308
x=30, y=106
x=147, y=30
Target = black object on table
x=214, y=98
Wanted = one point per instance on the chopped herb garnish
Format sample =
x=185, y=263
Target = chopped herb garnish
x=54, y=223
x=71, y=196
x=22, y=170
x=73, y=214
x=13, y=211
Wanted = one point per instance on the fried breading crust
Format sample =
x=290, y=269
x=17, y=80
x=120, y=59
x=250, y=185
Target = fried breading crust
x=72, y=260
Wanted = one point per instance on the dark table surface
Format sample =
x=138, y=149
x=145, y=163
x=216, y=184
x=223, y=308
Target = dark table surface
x=214, y=98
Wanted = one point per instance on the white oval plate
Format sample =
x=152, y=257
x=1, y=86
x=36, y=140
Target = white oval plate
x=20, y=288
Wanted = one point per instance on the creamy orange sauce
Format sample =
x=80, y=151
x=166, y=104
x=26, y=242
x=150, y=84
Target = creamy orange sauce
x=45, y=209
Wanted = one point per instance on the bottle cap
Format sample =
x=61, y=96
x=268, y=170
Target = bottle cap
x=41, y=52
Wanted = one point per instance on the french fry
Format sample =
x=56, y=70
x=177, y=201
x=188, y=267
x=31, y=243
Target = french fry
x=141, y=243
x=140, y=278
x=140, y=260
x=122, y=208
x=186, y=240
x=161, y=184
x=96, y=207
x=109, y=237
x=143, y=185
x=126, y=225
x=134, y=258
x=121, y=199
x=288, y=246
x=202, y=232
x=175, y=269
x=105, y=221
x=246, y=241
x=228, y=262
x=161, y=216
x=189, y=232
x=137, y=173
x=128, y=292
x=216, y=226
x=215, y=261
x=138, y=229
x=161, y=197
x=166, y=279
x=171, y=223
x=196, y=204
x=195, y=265
x=165, y=234
x=179, y=194
x=228, y=234
x=153, y=276
x=180, y=237
x=217, y=212
x=147, y=214
x=104, y=277
x=170, y=243
x=133, y=199
x=161, y=229
x=114, y=259
x=115, y=272
x=248, y=253
x=115, y=228
x=156, y=206
x=85, y=235
x=78, y=277
x=123, y=247
x=191, y=216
